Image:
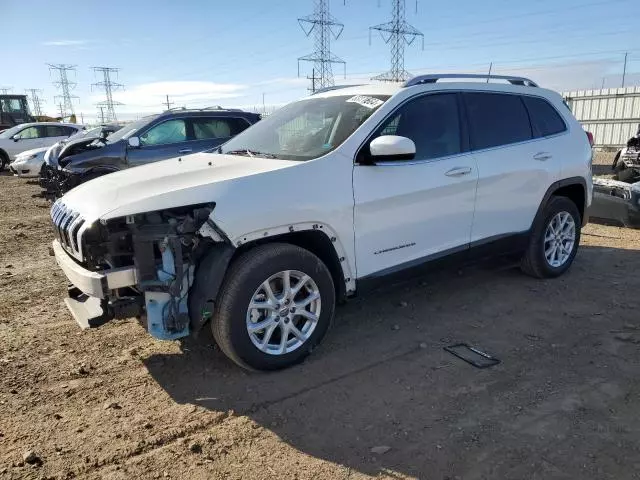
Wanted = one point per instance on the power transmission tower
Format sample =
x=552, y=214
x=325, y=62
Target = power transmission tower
x=65, y=86
x=108, y=86
x=168, y=103
x=323, y=26
x=35, y=101
x=62, y=112
x=397, y=33
x=5, y=90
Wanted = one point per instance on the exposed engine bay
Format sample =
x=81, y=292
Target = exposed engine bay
x=165, y=247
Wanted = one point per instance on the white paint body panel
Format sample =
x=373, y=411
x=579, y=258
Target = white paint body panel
x=408, y=210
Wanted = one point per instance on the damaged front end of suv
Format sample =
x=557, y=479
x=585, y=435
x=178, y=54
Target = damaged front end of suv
x=142, y=265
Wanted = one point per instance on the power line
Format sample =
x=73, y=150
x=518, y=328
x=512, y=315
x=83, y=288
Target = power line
x=65, y=87
x=323, y=26
x=35, y=100
x=108, y=85
x=5, y=90
x=397, y=33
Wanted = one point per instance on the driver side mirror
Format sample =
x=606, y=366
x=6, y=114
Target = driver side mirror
x=391, y=148
x=134, y=142
x=16, y=137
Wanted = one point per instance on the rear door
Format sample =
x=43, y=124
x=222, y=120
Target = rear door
x=167, y=139
x=515, y=166
x=209, y=132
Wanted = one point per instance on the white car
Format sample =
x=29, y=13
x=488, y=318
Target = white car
x=29, y=163
x=322, y=200
x=28, y=136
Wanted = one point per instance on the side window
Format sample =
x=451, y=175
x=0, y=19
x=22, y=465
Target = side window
x=431, y=121
x=68, y=131
x=54, y=131
x=496, y=119
x=28, y=133
x=545, y=120
x=171, y=131
x=206, y=128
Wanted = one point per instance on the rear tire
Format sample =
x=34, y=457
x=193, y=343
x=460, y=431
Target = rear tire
x=559, y=226
x=288, y=335
x=4, y=160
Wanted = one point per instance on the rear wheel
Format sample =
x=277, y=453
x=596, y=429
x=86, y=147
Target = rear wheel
x=554, y=240
x=276, y=305
x=4, y=160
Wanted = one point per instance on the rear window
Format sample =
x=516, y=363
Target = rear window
x=496, y=119
x=545, y=120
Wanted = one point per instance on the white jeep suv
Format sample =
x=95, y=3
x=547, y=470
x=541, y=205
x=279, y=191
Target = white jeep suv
x=325, y=198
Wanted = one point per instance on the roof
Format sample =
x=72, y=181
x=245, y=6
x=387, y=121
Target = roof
x=367, y=89
x=29, y=124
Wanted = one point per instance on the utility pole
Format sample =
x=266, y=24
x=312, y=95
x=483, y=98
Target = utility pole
x=602, y=87
x=81, y=118
x=64, y=85
x=5, y=90
x=323, y=26
x=490, y=67
x=264, y=109
x=397, y=33
x=108, y=85
x=168, y=103
x=101, y=113
x=313, y=79
x=624, y=69
x=36, y=101
x=62, y=112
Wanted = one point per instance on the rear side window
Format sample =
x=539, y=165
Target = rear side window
x=496, y=119
x=545, y=120
x=55, y=131
x=220, y=127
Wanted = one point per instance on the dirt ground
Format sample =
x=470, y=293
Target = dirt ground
x=113, y=403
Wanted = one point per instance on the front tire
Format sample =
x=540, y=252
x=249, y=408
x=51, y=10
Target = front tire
x=276, y=305
x=554, y=240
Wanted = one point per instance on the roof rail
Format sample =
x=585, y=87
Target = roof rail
x=334, y=87
x=434, y=77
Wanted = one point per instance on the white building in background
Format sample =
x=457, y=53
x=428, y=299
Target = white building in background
x=611, y=114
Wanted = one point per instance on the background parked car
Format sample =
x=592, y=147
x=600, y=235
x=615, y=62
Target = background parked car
x=28, y=136
x=29, y=163
x=157, y=137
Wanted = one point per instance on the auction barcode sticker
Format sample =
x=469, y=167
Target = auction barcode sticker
x=369, y=102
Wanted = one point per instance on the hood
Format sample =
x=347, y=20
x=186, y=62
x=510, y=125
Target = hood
x=193, y=179
x=33, y=151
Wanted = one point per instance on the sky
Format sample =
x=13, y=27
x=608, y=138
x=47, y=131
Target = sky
x=235, y=53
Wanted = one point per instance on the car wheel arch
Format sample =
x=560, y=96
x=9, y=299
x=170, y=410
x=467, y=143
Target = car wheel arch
x=574, y=188
x=317, y=238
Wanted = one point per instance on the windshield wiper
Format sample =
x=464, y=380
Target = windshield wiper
x=247, y=152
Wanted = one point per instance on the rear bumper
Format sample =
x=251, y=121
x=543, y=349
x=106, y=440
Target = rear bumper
x=94, y=284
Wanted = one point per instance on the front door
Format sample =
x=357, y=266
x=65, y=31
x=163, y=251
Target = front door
x=162, y=141
x=407, y=211
x=26, y=139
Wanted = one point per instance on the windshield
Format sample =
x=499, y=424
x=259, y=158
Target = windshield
x=11, y=131
x=306, y=129
x=129, y=129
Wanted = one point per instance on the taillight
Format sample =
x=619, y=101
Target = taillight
x=590, y=137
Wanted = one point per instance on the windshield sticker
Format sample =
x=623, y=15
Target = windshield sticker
x=369, y=102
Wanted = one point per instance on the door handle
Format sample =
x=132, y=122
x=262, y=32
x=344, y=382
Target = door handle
x=542, y=156
x=458, y=171
x=185, y=150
